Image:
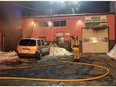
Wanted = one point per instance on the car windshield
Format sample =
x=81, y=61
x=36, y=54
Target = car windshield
x=27, y=42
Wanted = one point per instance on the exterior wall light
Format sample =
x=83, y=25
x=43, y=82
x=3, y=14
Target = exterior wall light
x=32, y=22
x=49, y=23
x=79, y=21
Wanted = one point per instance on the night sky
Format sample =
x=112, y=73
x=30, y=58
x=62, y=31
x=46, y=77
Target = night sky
x=30, y=8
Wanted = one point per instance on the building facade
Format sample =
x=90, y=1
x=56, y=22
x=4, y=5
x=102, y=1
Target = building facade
x=93, y=30
x=96, y=32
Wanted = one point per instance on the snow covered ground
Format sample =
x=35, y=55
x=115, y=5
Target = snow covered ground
x=55, y=50
x=112, y=52
x=6, y=56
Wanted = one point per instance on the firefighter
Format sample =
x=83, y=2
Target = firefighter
x=75, y=48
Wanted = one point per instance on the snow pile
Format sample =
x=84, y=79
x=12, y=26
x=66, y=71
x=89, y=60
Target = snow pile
x=112, y=52
x=55, y=50
x=6, y=56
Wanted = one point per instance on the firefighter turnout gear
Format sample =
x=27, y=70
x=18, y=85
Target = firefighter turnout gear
x=75, y=48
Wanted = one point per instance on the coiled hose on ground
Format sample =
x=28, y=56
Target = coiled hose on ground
x=56, y=80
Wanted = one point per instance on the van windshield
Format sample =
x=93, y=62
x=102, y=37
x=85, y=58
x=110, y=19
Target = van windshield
x=26, y=42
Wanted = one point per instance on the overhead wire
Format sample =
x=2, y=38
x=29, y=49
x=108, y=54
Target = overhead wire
x=25, y=7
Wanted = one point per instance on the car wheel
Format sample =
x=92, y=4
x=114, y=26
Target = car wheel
x=39, y=55
x=48, y=53
x=19, y=55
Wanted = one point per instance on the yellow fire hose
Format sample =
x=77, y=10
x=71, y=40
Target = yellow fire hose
x=59, y=80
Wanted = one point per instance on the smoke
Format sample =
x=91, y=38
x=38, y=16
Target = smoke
x=12, y=27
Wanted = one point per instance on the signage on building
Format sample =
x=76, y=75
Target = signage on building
x=59, y=34
x=67, y=34
x=94, y=21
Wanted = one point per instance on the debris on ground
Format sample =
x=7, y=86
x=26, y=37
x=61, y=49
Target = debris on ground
x=112, y=52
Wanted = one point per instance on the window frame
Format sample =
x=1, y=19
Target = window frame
x=59, y=23
x=42, y=23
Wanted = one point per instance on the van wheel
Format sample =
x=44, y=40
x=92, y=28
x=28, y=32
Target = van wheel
x=39, y=55
x=48, y=53
x=19, y=56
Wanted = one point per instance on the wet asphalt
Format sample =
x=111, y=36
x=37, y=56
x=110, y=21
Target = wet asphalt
x=50, y=67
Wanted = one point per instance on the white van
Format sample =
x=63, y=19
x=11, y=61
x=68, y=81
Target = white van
x=32, y=47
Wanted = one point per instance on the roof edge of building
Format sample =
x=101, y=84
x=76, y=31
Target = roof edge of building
x=67, y=15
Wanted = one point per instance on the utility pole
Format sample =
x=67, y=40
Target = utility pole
x=51, y=14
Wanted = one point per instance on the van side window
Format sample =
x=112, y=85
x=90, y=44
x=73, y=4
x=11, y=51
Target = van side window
x=42, y=42
x=39, y=42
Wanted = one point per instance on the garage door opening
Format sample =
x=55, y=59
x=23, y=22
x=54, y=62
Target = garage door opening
x=95, y=40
